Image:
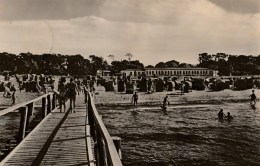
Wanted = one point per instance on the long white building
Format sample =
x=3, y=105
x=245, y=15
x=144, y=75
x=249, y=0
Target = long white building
x=170, y=72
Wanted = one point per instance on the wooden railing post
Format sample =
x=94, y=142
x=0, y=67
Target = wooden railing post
x=24, y=113
x=48, y=104
x=117, y=142
x=30, y=112
x=53, y=101
x=43, y=107
x=91, y=119
x=86, y=96
x=100, y=151
x=104, y=152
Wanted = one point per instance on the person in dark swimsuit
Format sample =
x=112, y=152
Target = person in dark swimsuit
x=135, y=98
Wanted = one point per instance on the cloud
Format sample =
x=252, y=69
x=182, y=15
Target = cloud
x=12, y=10
x=115, y=10
x=239, y=6
x=164, y=31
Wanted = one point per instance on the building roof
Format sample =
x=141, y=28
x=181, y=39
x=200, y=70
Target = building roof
x=133, y=70
x=179, y=68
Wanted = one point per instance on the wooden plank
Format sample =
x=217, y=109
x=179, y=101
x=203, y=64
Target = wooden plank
x=69, y=146
x=38, y=138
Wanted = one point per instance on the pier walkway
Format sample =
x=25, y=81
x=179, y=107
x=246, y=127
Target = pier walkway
x=67, y=139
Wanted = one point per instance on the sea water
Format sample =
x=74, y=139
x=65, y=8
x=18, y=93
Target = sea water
x=186, y=135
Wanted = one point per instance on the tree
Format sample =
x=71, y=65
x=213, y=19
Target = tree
x=129, y=56
x=112, y=57
x=172, y=63
x=185, y=65
x=149, y=66
x=117, y=66
x=161, y=65
x=97, y=63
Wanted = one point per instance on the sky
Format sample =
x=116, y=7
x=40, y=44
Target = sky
x=151, y=30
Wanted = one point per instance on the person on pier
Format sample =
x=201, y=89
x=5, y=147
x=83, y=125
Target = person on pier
x=62, y=94
x=72, y=92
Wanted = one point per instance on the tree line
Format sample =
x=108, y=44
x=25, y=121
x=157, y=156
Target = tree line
x=231, y=64
x=77, y=65
x=57, y=64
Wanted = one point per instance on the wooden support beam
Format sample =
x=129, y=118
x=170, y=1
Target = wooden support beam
x=43, y=107
x=49, y=104
x=53, y=101
x=30, y=112
x=117, y=142
x=24, y=112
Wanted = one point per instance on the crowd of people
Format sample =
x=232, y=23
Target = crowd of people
x=68, y=91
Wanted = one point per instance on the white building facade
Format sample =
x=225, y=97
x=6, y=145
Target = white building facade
x=150, y=72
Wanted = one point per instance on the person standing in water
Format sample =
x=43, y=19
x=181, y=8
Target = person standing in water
x=221, y=114
x=165, y=101
x=253, y=97
x=229, y=117
x=135, y=98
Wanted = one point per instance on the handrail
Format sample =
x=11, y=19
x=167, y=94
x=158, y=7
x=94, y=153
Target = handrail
x=102, y=134
x=26, y=110
x=17, y=106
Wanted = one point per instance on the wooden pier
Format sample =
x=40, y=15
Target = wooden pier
x=64, y=138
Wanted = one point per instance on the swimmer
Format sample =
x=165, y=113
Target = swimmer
x=229, y=117
x=221, y=115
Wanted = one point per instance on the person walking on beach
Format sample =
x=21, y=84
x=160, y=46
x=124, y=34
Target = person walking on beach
x=253, y=97
x=135, y=98
x=7, y=93
x=62, y=95
x=13, y=89
x=72, y=92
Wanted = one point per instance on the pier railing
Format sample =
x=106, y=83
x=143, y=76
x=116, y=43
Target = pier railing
x=106, y=153
x=26, y=110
